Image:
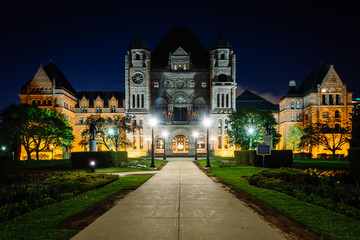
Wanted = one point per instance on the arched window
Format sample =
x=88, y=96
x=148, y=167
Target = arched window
x=175, y=66
x=38, y=102
x=137, y=56
x=33, y=102
x=44, y=102
x=49, y=90
x=222, y=56
x=222, y=78
x=337, y=114
x=160, y=143
x=201, y=143
x=49, y=102
x=184, y=67
x=220, y=127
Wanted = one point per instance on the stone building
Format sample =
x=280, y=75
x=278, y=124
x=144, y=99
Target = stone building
x=179, y=83
x=321, y=98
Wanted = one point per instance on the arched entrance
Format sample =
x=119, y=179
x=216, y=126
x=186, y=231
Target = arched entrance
x=180, y=144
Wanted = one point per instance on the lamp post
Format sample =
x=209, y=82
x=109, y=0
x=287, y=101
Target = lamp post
x=52, y=151
x=164, y=134
x=207, y=123
x=153, y=122
x=250, y=131
x=111, y=133
x=195, y=134
x=92, y=166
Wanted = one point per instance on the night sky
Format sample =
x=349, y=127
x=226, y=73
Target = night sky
x=274, y=43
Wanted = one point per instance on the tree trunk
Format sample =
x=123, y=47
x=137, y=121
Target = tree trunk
x=37, y=154
x=28, y=152
x=333, y=154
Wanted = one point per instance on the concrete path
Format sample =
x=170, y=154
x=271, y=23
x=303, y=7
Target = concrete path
x=180, y=202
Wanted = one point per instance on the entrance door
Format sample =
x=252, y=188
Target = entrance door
x=180, y=144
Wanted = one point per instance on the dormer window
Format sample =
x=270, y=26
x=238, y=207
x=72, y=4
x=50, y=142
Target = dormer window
x=137, y=56
x=222, y=56
x=184, y=67
x=179, y=60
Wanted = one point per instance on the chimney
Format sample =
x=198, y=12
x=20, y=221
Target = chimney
x=292, y=85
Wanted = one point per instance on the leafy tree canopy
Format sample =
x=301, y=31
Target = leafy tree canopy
x=35, y=128
x=294, y=136
x=245, y=119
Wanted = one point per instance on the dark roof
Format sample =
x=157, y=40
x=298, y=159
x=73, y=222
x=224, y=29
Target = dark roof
x=139, y=43
x=221, y=42
x=105, y=96
x=61, y=82
x=250, y=99
x=180, y=37
x=314, y=78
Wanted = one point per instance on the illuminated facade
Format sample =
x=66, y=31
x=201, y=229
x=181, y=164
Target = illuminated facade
x=179, y=82
x=321, y=98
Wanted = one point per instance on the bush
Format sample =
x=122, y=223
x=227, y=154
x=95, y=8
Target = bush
x=102, y=159
x=302, y=155
x=5, y=162
x=354, y=164
x=278, y=158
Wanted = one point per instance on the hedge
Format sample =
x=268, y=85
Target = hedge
x=102, y=159
x=354, y=163
x=277, y=159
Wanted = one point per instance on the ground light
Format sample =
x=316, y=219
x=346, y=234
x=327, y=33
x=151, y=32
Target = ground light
x=164, y=135
x=153, y=123
x=92, y=166
x=207, y=123
x=195, y=135
x=3, y=148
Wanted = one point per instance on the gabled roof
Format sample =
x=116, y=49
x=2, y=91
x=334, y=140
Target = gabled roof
x=61, y=82
x=180, y=37
x=250, y=99
x=314, y=78
x=105, y=96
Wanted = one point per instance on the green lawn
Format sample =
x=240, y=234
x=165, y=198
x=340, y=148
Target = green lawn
x=329, y=224
x=321, y=164
x=57, y=165
x=39, y=224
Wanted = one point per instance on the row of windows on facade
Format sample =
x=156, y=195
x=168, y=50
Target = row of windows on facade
x=180, y=67
x=168, y=84
x=223, y=100
x=41, y=90
x=201, y=143
x=41, y=103
x=98, y=109
x=328, y=99
x=324, y=115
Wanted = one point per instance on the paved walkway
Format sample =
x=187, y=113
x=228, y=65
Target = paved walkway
x=179, y=202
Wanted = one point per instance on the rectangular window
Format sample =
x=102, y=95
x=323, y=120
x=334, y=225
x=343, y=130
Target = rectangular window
x=292, y=117
x=338, y=100
x=133, y=100
x=226, y=142
x=227, y=100
x=138, y=101
x=297, y=104
x=324, y=100
x=222, y=100
x=292, y=105
x=219, y=142
x=134, y=142
x=142, y=100
x=298, y=117
x=141, y=142
x=325, y=115
x=331, y=99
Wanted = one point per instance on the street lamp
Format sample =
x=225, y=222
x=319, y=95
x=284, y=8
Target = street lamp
x=164, y=135
x=207, y=123
x=52, y=151
x=195, y=134
x=111, y=133
x=92, y=166
x=153, y=123
x=3, y=148
x=250, y=131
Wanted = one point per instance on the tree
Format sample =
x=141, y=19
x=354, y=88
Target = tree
x=294, y=136
x=112, y=131
x=331, y=138
x=249, y=118
x=35, y=128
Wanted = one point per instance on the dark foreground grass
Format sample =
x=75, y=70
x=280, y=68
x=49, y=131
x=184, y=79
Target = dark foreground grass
x=321, y=164
x=65, y=164
x=329, y=224
x=39, y=224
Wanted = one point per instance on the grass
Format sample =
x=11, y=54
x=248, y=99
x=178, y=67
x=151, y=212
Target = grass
x=65, y=164
x=321, y=164
x=326, y=223
x=39, y=224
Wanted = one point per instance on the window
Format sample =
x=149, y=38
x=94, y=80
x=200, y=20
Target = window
x=33, y=102
x=337, y=114
x=325, y=115
x=180, y=66
x=201, y=143
x=81, y=120
x=141, y=124
x=292, y=117
x=219, y=142
x=49, y=102
x=156, y=84
x=98, y=109
x=324, y=100
x=298, y=117
x=84, y=108
x=134, y=142
x=38, y=102
x=297, y=104
x=338, y=100
x=138, y=100
x=292, y=105
x=142, y=100
x=137, y=56
x=222, y=56
x=141, y=142
x=133, y=100
x=184, y=67
x=226, y=142
x=337, y=128
x=331, y=99
x=220, y=127
x=218, y=100
x=175, y=66
x=160, y=143
x=44, y=102
x=227, y=100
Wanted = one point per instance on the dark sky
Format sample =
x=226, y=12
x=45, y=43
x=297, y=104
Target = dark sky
x=274, y=42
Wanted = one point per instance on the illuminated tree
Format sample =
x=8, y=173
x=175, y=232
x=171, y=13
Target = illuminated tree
x=331, y=138
x=246, y=119
x=35, y=128
x=294, y=136
x=111, y=132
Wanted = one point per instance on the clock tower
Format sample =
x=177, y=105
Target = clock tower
x=137, y=77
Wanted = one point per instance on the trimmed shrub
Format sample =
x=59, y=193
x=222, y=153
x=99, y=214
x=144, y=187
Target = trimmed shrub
x=102, y=159
x=278, y=158
x=354, y=164
x=5, y=162
x=302, y=155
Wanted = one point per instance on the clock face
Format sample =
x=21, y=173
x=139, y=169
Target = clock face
x=138, y=78
x=203, y=84
x=168, y=84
